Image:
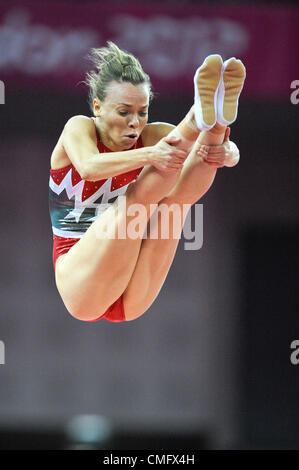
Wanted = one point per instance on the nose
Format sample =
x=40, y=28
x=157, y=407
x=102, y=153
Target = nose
x=134, y=121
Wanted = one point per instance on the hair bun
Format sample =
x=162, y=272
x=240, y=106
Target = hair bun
x=113, y=64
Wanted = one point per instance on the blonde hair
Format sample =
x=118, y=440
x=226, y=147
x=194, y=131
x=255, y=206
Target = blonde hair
x=113, y=64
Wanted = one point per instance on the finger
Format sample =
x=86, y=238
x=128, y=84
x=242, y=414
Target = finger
x=218, y=159
x=216, y=156
x=202, y=147
x=219, y=162
x=215, y=165
x=202, y=156
x=202, y=151
x=215, y=160
x=179, y=156
x=182, y=154
x=216, y=148
x=176, y=161
x=171, y=169
x=175, y=167
x=177, y=164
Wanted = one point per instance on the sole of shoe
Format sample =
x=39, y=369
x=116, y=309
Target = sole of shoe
x=231, y=85
x=207, y=80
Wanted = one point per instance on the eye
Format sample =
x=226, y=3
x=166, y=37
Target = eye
x=123, y=113
x=143, y=113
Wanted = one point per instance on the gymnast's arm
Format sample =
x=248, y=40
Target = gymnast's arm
x=218, y=156
x=79, y=142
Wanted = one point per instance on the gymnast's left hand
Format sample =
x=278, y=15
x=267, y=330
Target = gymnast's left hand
x=218, y=156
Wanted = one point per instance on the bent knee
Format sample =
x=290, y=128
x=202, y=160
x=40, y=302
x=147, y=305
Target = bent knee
x=136, y=305
x=82, y=312
x=85, y=316
x=77, y=306
x=133, y=316
x=133, y=311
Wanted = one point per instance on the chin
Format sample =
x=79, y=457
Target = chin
x=128, y=145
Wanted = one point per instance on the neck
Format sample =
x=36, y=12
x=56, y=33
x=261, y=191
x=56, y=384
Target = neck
x=105, y=139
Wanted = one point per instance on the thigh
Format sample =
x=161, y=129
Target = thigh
x=115, y=312
x=61, y=245
x=95, y=271
x=155, y=258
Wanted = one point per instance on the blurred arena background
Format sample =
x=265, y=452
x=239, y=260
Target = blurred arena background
x=209, y=366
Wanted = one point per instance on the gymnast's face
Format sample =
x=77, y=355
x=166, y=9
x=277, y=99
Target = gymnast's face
x=122, y=116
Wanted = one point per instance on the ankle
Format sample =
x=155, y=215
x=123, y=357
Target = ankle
x=218, y=129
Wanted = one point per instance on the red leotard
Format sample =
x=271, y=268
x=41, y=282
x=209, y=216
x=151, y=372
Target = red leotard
x=74, y=205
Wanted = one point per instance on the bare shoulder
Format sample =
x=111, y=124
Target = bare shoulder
x=77, y=128
x=155, y=131
x=80, y=123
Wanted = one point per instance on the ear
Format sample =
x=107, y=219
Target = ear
x=96, y=107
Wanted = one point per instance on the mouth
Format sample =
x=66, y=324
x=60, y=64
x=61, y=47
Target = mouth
x=131, y=136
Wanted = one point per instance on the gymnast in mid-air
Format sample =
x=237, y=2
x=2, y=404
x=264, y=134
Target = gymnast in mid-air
x=116, y=155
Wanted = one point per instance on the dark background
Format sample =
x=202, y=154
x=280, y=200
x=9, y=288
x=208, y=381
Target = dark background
x=208, y=366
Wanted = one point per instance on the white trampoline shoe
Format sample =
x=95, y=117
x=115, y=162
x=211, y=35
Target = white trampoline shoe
x=207, y=80
x=232, y=80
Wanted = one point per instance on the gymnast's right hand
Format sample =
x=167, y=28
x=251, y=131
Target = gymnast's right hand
x=166, y=156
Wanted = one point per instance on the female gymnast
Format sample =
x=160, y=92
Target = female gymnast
x=118, y=153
